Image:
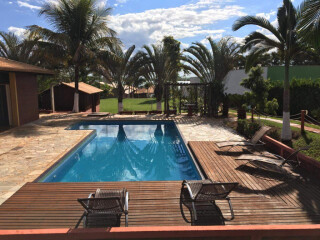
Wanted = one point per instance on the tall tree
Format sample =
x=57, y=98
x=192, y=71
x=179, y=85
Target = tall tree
x=172, y=48
x=156, y=68
x=79, y=28
x=120, y=69
x=212, y=64
x=285, y=40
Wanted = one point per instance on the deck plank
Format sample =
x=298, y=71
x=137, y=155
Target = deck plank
x=256, y=201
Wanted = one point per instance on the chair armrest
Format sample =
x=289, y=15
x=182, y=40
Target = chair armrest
x=85, y=201
x=189, y=190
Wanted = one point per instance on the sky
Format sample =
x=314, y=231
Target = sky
x=142, y=22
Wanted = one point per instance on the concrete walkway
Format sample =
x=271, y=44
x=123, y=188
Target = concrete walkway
x=27, y=151
x=309, y=129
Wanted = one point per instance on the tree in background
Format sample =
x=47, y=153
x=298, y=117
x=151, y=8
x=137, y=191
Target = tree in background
x=156, y=67
x=257, y=98
x=212, y=64
x=172, y=48
x=287, y=42
x=22, y=50
x=118, y=66
x=79, y=28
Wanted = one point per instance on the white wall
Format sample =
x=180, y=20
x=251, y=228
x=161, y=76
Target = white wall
x=233, y=79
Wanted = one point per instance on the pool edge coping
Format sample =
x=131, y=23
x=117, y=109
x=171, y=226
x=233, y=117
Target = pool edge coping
x=64, y=154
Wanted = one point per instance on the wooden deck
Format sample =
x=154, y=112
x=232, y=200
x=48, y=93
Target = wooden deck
x=257, y=201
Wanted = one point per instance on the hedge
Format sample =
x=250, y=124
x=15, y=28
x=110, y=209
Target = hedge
x=304, y=95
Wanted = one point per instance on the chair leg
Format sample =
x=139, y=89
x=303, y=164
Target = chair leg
x=85, y=221
x=194, y=211
x=231, y=210
x=126, y=216
x=126, y=208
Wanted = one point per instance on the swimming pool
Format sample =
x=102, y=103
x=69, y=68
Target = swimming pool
x=126, y=151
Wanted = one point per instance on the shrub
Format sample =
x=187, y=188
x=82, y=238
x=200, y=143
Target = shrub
x=236, y=100
x=275, y=133
x=272, y=107
x=252, y=128
x=316, y=113
x=247, y=128
x=242, y=125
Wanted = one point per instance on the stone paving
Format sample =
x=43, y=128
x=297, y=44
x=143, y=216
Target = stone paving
x=27, y=151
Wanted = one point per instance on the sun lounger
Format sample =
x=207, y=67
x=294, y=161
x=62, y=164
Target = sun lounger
x=272, y=162
x=254, y=141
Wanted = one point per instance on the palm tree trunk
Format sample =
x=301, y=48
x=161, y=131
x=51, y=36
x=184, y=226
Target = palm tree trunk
x=158, y=93
x=120, y=97
x=76, y=92
x=286, y=134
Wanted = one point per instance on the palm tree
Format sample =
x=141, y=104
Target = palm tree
x=285, y=40
x=79, y=28
x=309, y=24
x=212, y=65
x=15, y=48
x=156, y=67
x=118, y=67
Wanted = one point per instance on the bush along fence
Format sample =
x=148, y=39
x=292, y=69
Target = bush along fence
x=304, y=94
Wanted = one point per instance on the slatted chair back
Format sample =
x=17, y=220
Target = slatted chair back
x=215, y=191
x=259, y=134
x=104, y=201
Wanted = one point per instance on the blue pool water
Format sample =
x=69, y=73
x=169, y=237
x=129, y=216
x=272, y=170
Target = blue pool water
x=127, y=151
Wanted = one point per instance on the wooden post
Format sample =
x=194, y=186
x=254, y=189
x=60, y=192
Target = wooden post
x=303, y=113
x=52, y=99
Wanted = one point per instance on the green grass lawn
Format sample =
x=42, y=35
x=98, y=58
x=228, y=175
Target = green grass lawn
x=234, y=113
x=300, y=140
x=129, y=104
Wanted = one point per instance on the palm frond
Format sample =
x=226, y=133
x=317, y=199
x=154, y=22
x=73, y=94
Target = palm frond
x=258, y=21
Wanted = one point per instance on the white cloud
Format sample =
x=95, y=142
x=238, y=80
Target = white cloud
x=185, y=21
x=102, y=3
x=217, y=35
x=122, y=1
x=239, y=40
x=28, y=5
x=20, y=32
x=184, y=45
x=266, y=15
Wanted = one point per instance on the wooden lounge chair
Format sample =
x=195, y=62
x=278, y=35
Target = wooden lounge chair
x=104, y=206
x=254, y=141
x=208, y=191
x=272, y=162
